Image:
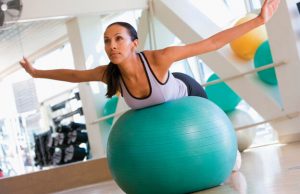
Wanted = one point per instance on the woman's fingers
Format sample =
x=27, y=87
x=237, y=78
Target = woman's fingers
x=268, y=9
x=24, y=62
x=25, y=59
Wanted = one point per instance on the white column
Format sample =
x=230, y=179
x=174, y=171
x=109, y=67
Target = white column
x=84, y=35
x=152, y=33
x=283, y=32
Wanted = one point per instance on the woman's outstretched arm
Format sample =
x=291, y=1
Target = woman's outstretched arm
x=69, y=75
x=167, y=56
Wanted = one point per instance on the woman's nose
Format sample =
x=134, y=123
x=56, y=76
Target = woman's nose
x=113, y=45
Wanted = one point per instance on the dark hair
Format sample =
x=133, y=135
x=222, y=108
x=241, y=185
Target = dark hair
x=112, y=72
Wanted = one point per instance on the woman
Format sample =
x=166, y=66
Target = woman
x=144, y=78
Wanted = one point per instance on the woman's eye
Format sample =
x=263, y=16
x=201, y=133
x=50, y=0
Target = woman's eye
x=119, y=38
x=106, y=41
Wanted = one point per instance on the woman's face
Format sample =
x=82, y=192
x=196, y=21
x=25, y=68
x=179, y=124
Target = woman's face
x=118, y=44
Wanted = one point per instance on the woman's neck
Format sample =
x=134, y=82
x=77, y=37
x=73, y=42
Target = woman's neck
x=131, y=67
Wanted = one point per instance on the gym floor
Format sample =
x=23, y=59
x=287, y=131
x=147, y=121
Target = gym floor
x=272, y=169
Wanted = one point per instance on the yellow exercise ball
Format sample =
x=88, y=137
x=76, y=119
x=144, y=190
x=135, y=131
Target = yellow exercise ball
x=246, y=45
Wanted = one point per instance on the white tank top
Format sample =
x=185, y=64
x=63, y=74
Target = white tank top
x=159, y=92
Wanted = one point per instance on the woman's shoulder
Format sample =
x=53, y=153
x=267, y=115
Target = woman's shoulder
x=152, y=53
x=148, y=53
x=153, y=56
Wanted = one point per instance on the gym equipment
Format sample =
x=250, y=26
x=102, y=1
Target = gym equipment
x=77, y=137
x=77, y=126
x=63, y=103
x=74, y=153
x=10, y=12
x=58, y=156
x=58, y=119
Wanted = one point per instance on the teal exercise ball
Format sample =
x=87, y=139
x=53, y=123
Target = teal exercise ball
x=222, y=94
x=180, y=146
x=110, y=108
x=262, y=57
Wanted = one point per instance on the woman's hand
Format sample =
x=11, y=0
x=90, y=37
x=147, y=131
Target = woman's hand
x=268, y=9
x=27, y=66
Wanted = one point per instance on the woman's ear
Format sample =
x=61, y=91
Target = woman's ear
x=136, y=43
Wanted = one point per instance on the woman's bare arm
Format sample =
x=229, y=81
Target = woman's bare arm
x=167, y=56
x=69, y=75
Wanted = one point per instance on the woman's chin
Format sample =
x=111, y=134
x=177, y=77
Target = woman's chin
x=115, y=61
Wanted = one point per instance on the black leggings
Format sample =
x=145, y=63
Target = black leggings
x=194, y=88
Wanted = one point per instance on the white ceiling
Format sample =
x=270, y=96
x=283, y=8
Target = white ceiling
x=23, y=39
x=42, y=22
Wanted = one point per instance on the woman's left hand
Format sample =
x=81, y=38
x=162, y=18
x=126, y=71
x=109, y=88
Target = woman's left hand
x=268, y=9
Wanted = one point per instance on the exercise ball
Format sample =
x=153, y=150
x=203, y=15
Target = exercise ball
x=263, y=56
x=245, y=137
x=246, y=45
x=222, y=94
x=180, y=146
x=110, y=108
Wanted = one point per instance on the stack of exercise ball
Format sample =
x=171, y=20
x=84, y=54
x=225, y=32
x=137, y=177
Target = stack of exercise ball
x=255, y=45
x=223, y=96
x=181, y=146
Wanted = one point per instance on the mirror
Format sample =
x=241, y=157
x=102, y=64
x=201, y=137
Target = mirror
x=43, y=123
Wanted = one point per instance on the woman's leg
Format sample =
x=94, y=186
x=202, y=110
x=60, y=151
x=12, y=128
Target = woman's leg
x=194, y=88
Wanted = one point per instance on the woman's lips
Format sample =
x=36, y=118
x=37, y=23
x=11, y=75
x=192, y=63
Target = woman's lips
x=114, y=54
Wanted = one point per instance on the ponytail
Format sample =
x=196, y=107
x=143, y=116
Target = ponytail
x=112, y=75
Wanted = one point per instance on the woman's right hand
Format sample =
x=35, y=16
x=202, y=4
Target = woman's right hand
x=27, y=66
x=268, y=9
